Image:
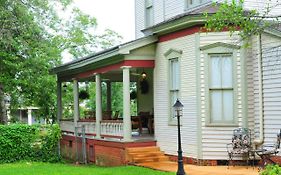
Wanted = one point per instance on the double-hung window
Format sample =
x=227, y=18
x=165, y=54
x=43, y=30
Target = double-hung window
x=174, y=83
x=148, y=13
x=221, y=88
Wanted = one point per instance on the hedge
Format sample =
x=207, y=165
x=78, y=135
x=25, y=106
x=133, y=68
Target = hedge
x=33, y=143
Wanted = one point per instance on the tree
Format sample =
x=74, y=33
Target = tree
x=33, y=36
x=234, y=16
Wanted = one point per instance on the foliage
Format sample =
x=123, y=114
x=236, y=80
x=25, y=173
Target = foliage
x=35, y=168
x=24, y=142
x=271, y=170
x=234, y=16
x=33, y=36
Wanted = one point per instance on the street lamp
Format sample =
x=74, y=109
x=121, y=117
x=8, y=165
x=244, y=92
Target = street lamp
x=178, y=106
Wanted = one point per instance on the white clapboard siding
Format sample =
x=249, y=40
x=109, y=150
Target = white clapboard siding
x=271, y=85
x=173, y=8
x=165, y=134
x=215, y=138
x=166, y=9
x=158, y=11
x=139, y=18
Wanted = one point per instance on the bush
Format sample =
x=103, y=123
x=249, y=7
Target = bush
x=272, y=170
x=24, y=142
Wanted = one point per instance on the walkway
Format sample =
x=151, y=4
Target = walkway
x=202, y=170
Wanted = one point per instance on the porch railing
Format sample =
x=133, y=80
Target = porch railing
x=109, y=128
x=112, y=128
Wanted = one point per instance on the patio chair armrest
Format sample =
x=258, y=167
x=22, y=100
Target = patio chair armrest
x=268, y=146
x=228, y=146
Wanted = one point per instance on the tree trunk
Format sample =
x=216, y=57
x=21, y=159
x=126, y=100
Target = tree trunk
x=3, y=114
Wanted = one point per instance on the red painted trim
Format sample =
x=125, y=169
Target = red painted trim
x=132, y=63
x=178, y=34
x=188, y=31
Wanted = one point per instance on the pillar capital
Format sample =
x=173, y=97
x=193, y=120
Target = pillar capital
x=126, y=67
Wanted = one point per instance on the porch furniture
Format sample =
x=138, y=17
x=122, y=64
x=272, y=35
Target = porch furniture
x=106, y=115
x=240, y=145
x=267, y=150
x=147, y=121
x=136, y=123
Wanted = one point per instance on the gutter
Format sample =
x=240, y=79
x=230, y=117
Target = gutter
x=260, y=140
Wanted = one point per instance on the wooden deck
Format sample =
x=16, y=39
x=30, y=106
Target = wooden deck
x=201, y=170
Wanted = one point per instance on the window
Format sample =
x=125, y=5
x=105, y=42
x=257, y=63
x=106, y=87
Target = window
x=221, y=89
x=193, y=3
x=148, y=13
x=174, y=83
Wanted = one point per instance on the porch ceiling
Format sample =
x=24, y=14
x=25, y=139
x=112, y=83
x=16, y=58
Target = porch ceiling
x=137, y=53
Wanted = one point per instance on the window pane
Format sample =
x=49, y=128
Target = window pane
x=149, y=16
x=215, y=67
x=226, y=71
x=216, y=105
x=174, y=65
x=228, y=105
x=174, y=96
x=148, y=3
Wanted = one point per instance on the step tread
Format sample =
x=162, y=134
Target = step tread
x=146, y=153
x=143, y=149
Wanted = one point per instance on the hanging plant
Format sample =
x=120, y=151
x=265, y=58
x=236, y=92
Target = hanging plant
x=133, y=95
x=144, y=87
x=83, y=94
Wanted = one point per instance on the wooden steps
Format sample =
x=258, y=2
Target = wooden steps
x=145, y=154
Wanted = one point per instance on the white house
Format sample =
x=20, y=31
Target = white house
x=221, y=84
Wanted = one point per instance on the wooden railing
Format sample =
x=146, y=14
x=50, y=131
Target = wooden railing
x=109, y=128
x=112, y=128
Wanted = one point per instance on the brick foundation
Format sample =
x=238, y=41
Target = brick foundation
x=100, y=152
x=193, y=161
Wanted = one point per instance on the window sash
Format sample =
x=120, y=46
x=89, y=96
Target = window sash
x=174, y=74
x=174, y=95
x=221, y=89
x=222, y=110
x=149, y=16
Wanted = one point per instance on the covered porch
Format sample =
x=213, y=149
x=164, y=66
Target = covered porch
x=131, y=65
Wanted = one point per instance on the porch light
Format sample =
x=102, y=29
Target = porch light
x=178, y=106
x=143, y=75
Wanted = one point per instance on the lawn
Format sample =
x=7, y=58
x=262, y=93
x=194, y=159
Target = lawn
x=32, y=168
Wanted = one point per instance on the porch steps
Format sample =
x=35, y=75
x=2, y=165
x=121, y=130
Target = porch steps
x=145, y=154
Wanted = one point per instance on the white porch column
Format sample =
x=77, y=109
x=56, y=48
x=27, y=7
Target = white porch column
x=29, y=116
x=126, y=104
x=108, y=96
x=76, y=101
x=98, y=106
x=59, y=102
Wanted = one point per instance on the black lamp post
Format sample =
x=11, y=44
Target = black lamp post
x=178, y=108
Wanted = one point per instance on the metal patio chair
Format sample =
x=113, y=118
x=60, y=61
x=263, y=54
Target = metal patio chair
x=268, y=150
x=240, y=145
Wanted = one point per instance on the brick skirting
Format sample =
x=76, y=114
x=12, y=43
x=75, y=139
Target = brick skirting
x=101, y=152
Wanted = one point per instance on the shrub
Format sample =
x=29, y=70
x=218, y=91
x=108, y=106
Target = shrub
x=272, y=170
x=24, y=142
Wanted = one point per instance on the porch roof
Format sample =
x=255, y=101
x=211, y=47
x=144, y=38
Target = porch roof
x=101, y=61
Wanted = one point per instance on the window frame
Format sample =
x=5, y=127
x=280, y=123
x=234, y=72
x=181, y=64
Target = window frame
x=223, y=49
x=195, y=3
x=170, y=55
x=148, y=5
x=222, y=89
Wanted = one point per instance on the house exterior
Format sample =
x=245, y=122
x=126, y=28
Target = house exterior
x=221, y=84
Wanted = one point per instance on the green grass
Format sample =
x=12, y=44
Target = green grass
x=35, y=168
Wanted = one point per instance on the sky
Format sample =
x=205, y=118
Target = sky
x=112, y=14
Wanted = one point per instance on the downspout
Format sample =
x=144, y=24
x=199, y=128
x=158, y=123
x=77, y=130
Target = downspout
x=260, y=140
